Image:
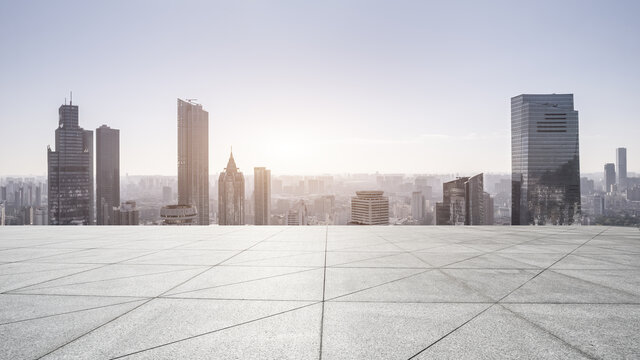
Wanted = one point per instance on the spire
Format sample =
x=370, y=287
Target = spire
x=231, y=165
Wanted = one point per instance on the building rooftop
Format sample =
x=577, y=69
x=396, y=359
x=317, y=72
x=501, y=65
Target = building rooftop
x=250, y=292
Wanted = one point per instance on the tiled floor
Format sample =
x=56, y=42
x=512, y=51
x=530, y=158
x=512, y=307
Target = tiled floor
x=317, y=292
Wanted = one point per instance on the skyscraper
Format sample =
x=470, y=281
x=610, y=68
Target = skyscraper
x=262, y=195
x=609, y=176
x=474, y=200
x=621, y=164
x=418, y=206
x=231, y=195
x=193, y=158
x=545, y=160
x=452, y=209
x=70, y=171
x=107, y=173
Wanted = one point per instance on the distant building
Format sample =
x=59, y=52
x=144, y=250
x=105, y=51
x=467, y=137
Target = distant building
x=167, y=194
x=193, y=158
x=418, y=203
x=609, y=176
x=262, y=195
x=107, y=172
x=598, y=205
x=126, y=214
x=464, y=202
x=451, y=211
x=474, y=200
x=231, y=195
x=370, y=208
x=324, y=208
x=70, y=172
x=621, y=164
x=298, y=215
x=488, y=210
x=545, y=160
x=2, y=214
x=179, y=215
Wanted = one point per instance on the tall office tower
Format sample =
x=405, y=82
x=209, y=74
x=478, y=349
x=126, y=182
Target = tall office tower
x=262, y=195
x=488, y=209
x=193, y=158
x=451, y=211
x=609, y=176
x=107, y=173
x=3, y=193
x=70, y=171
x=370, y=208
x=474, y=200
x=231, y=195
x=38, y=195
x=418, y=206
x=621, y=164
x=545, y=160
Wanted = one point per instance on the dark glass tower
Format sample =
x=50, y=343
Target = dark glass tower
x=70, y=171
x=621, y=164
x=107, y=173
x=545, y=160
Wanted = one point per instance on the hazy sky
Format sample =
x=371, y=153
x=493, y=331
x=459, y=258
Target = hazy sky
x=318, y=86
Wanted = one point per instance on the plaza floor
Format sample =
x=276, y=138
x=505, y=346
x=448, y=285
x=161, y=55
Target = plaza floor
x=390, y=292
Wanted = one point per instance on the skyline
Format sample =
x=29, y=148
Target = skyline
x=338, y=88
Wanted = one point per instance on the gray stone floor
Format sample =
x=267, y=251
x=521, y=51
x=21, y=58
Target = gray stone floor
x=317, y=292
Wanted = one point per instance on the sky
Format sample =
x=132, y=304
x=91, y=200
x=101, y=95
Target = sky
x=310, y=87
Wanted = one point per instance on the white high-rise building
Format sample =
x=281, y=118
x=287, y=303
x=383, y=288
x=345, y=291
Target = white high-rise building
x=370, y=208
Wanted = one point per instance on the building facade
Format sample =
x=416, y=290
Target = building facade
x=609, y=176
x=179, y=215
x=126, y=214
x=193, y=158
x=474, y=200
x=262, y=195
x=298, y=215
x=370, y=208
x=418, y=204
x=545, y=160
x=107, y=173
x=621, y=164
x=452, y=209
x=70, y=172
x=231, y=195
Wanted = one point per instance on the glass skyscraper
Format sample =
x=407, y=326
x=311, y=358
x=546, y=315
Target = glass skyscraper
x=70, y=171
x=107, y=173
x=545, y=160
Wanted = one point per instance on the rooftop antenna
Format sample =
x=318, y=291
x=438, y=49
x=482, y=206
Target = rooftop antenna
x=70, y=97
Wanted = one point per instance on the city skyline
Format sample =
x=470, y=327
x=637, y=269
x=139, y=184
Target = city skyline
x=337, y=94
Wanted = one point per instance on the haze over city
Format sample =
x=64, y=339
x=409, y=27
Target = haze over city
x=317, y=87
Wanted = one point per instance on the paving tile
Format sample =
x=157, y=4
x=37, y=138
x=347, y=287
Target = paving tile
x=554, y=287
x=302, y=284
x=35, y=338
x=498, y=334
x=118, y=280
x=388, y=331
x=162, y=321
x=602, y=331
